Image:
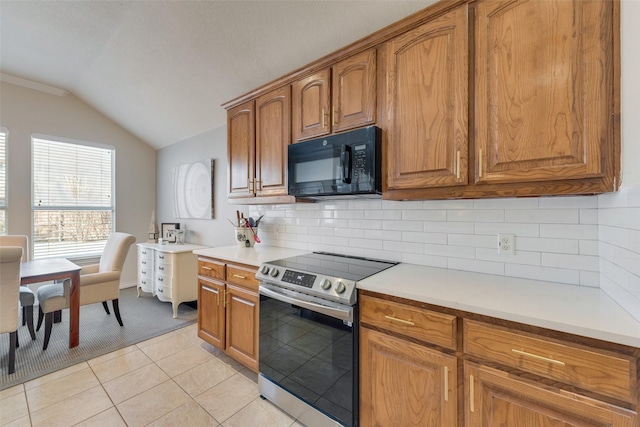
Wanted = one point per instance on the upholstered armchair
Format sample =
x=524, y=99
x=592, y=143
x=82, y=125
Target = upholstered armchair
x=27, y=297
x=98, y=283
x=10, y=259
x=101, y=282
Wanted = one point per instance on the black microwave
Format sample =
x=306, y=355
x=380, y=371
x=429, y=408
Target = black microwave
x=346, y=165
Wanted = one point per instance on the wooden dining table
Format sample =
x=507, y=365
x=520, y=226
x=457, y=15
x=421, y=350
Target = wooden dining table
x=44, y=270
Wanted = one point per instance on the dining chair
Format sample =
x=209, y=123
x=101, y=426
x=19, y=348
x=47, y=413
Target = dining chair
x=9, y=296
x=52, y=298
x=27, y=298
x=98, y=283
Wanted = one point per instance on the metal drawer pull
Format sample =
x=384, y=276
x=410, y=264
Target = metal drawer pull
x=207, y=268
x=239, y=276
x=446, y=384
x=406, y=322
x=535, y=356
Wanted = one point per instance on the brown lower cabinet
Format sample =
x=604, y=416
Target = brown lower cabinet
x=228, y=309
x=425, y=365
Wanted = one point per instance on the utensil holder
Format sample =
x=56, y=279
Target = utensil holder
x=244, y=236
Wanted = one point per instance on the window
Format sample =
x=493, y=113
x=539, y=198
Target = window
x=3, y=181
x=73, y=197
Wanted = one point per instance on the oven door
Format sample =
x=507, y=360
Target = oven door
x=308, y=347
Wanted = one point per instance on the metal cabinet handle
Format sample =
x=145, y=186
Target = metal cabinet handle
x=458, y=165
x=480, y=163
x=406, y=322
x=535, y=356
x=472, y=403
x=323, y=113
x=239, y=276
x=446, y=384
x=207, y=268
x=161, y=256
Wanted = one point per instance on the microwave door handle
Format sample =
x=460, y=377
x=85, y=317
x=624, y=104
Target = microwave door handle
x=345, y=163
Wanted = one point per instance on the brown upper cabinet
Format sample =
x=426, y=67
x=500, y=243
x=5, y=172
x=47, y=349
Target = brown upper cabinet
x=543, y=91
x=484, y=98
x=321, y=105
x=258, y=150
x=426, y=104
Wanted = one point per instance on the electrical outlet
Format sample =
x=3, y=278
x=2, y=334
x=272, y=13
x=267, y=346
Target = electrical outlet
x=506, y=244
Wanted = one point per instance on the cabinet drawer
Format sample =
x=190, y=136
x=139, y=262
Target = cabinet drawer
x=210, y=268
x=145, y=272
x=424, y=325
x=164, y=269
x=595, y=370
x=163, y=281
x=164, y=258
x=242, y=276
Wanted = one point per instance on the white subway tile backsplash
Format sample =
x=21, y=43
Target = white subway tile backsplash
x=549, y=274
x=507, y=203
x=569, y=231
x=579, y=240
x=589, y=247
x=543, y=216
x=419, y=237
x=517, y=229
x=384, y=214
x=564, y=202
x=450, y=251
x=424, y=215
x=578, y=262
x=540, y=244
x=478, y=266
x=428, y=260
x=474, y=240
x=416, y=248
x=485, y=215
x=590, y=279
x=448, y=204
x=520, y=257
x=588, y=216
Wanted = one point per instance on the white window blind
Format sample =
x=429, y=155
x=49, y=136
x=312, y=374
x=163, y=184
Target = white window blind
x=73, y=200
x=3, y=181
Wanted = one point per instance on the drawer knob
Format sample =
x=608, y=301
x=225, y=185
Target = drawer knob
x=405, y=322
x=535, y=356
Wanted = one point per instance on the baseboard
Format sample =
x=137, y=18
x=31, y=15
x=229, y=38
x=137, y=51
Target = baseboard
x=124, y=285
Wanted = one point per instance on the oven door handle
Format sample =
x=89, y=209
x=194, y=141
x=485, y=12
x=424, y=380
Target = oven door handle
x=337, y=313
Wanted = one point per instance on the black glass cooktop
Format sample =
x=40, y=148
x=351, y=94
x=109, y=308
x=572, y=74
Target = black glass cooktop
x=336, y=265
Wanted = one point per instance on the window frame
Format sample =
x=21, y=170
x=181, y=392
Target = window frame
x=34, y=208
x=4, y=207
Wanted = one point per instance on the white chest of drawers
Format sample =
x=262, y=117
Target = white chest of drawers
x=168, y=272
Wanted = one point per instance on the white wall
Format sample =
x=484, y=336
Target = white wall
x=209, y=145
x=26, y=111
x=630, y=93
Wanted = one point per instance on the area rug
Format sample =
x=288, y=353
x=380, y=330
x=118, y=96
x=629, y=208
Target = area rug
x=143, y=318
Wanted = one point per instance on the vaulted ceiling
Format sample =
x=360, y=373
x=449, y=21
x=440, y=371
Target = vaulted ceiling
x=161, y=69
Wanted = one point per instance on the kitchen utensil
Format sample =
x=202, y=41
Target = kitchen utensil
x=255, y=236
x=258, y=220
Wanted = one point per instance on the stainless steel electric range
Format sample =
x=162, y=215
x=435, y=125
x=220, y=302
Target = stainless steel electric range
x=308, y=354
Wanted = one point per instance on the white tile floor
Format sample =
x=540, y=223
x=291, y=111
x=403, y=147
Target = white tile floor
x=175, y=379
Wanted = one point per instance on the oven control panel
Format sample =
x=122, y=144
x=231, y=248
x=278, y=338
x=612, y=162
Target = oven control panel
x=330, y=288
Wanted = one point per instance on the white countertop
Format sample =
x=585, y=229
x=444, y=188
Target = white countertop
x=172, y=248
x=578, y=310
x=250, y=256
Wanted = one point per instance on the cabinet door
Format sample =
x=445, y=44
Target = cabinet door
x=426, y=103
x=495, y=399
x=211, y=315
x=353, y=92
x=242, y=325
x=241, y=150
x=310, y=106
x=405, y=384
x=543, y=89
x=273, y=135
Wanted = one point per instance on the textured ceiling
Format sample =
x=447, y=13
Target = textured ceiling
x=161, y=69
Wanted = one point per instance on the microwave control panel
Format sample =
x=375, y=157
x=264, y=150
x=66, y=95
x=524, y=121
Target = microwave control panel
x=360, y=167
